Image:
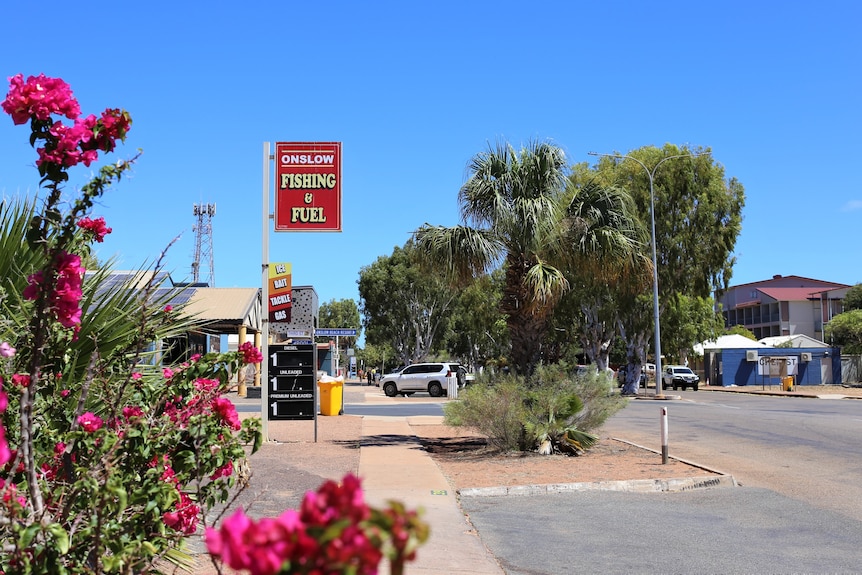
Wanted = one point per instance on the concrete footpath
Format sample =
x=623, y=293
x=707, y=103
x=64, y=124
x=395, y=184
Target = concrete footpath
x=393, y=465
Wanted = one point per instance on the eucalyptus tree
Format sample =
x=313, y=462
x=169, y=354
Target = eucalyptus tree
x=403, y=306
x=518, y=214
x=853, y=298
x=477, y=334
x=698, y=217
x=845, y=330
x=690, y=319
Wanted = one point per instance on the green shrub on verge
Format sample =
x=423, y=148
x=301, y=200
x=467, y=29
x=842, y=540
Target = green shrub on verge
x=494, y=408
x=550, y=411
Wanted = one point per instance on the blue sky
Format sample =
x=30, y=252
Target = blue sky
x=415, y=89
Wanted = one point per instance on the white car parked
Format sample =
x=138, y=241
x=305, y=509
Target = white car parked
x=430, y=377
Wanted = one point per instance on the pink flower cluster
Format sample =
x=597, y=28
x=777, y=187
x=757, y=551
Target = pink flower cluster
x=6, y=350
x=65, y=295
x=10, y=499
x=5, y=454
x=96, y=227
x=81, y=142
x=39, y=97
x=207, y=399
x=184, y=516
x=227, y=412
x=90, y=422
x=50, y=471
x=327, y=535
x=250, y=354
x=21, y=380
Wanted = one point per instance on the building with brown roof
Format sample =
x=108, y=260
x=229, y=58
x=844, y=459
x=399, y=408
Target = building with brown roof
x=783, y=305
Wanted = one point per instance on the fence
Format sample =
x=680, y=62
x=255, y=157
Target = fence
x=851, y=368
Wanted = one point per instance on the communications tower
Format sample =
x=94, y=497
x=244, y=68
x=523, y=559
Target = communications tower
x=203, y=242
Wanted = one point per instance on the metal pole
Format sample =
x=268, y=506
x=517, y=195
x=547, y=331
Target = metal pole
x=658, y=372
x=656, y=321
x=264, y=313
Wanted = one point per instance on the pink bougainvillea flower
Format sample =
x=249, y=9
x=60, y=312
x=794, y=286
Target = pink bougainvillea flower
x=6, y=350
x=67, y=292
x=21, y=380
x=334, y=513
x=250, y=354
x=205, y=385
x=225, y=470
x=132, y=411
x=65, y=296
x=111, y=126
x=167, y=373
x=90, y=422
x=5, y=454
x=184, y=517
x=39, y=97
x=230, y=542
x=169, y=308
x=137, y=375
x=34, y=284
x=96, y=227
x=227, y=411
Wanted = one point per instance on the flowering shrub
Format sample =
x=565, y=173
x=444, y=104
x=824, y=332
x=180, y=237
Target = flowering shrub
x=108, y=462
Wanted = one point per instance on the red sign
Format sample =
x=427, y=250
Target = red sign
x=308, y=187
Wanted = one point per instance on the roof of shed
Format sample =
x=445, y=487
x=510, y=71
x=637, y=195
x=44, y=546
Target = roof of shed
x=225, y=309
x=729, y=341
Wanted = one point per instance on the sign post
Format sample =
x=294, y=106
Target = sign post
x=307, y=199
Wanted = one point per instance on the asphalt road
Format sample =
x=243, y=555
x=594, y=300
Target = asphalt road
x=395, y=409
x=806, y=521
x=804, y=448
x=728, y=530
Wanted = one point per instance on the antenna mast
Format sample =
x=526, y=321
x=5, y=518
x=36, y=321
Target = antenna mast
x=203, y=241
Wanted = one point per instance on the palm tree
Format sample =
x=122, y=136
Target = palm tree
x=516, y=212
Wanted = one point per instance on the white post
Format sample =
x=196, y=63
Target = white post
x=664, y=435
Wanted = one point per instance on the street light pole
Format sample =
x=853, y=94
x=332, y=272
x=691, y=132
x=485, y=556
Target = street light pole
x=657, y=326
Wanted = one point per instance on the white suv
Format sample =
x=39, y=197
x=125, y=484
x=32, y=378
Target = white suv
x=676, y=376
x=430, y=377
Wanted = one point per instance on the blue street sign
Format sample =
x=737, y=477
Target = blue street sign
x=324, y=332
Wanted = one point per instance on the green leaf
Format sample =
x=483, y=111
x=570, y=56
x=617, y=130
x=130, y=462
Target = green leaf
x=27, y=536
x=61, y=538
